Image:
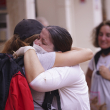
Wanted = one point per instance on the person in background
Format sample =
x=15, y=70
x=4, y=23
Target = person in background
x=98, y=76
x=43, y=21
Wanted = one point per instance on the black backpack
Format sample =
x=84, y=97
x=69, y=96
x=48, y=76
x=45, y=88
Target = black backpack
x=8, y=67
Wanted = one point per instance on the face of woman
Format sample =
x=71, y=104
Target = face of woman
x=104, y=37
x=44, y=41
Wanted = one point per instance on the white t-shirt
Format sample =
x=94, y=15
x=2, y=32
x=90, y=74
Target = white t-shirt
x=103, y=61
x=70, y=81
x=99, y=85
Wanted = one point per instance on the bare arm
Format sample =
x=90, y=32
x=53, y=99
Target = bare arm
x=73, y=57
x=89, y=77
x=32, y=65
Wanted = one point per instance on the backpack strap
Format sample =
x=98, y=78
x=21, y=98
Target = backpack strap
x=96, y=58
x=37, y=103
x=20, y=61
x=49, y=98
x=46, y=105
x=58, y=99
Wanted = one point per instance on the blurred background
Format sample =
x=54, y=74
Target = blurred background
x=79, y=17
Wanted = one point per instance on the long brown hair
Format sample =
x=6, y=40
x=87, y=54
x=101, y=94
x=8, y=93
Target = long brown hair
x=14, y=43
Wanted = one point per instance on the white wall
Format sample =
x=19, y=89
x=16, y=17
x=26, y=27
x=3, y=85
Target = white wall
x=107, y=6
x=50, y=10
x=57, y=12
x=18, y=10
x=97, y=9
x=30, y=9
x=86, y=18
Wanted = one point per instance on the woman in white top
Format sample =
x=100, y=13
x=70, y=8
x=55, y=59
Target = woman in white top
x=99, y=82
x=69, y=80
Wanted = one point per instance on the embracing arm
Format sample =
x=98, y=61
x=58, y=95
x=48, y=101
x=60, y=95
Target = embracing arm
x=70, y=58
x=56, y=78
x=32, y=65
x=73, y=57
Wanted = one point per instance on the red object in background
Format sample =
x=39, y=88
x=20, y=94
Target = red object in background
x=2, y=4
x=82, y=1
